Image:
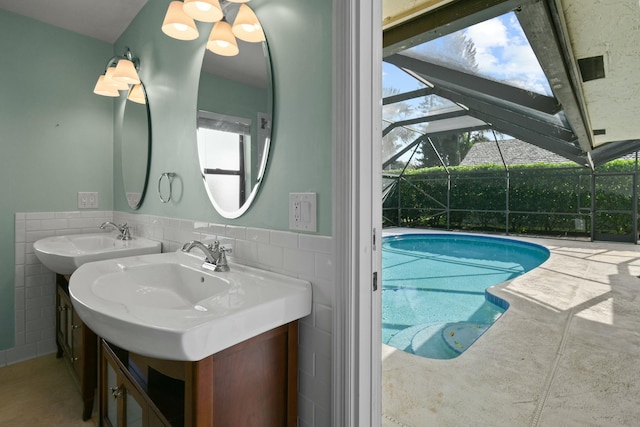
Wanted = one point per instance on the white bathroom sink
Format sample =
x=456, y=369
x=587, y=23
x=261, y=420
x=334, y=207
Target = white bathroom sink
x=64, y=254
x=167, y=306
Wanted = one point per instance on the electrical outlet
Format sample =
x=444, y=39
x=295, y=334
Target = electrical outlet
x=87, y=200
x=302, y=211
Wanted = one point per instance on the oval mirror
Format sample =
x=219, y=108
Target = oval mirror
x=136, y=145
x=235, y=110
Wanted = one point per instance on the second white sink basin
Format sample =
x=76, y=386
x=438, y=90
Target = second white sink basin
x=64, y=254
x=167, y=306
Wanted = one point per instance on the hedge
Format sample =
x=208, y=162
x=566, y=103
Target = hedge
x=556, y=194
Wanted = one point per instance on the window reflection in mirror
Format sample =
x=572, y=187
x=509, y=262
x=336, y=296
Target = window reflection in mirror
x=235, y=109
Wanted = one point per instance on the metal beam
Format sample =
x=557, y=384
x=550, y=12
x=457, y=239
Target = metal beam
x=541, y=28
x=400, y=153
x=480, y=102
x=533, y=131
x=444, y=20
x=424, y=119
x=424, y=137
x=540, y=122
x=525, y=98
x=614, y=150
x=407, y=95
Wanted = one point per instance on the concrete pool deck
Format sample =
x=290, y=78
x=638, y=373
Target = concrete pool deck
x=565, y=353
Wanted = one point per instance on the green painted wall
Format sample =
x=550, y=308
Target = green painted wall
x=55, y=134
x=299, y=36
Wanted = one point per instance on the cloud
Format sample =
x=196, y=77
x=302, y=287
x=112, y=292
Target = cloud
x=503, y=53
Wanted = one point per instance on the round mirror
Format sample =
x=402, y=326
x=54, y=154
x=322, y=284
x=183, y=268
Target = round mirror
x=136, y=145
x=235, y=109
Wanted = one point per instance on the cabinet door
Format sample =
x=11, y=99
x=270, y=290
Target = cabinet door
x=122, y=403
x=109, y=394
x=76, y=342
x=63, y=323
x=133, y=407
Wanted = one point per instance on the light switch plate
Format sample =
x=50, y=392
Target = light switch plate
x=302, y=212
x=87, y=200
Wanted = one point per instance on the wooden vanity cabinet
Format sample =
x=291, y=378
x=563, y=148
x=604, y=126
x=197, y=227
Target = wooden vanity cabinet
x=123, y=403
x=254, y=383
x=77, y=344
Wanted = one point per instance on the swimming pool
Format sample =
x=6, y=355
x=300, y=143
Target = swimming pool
x=434, y=299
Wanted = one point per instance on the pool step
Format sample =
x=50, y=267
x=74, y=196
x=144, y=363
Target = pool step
x=439, y=341
x=423, y=340
x=459, y=336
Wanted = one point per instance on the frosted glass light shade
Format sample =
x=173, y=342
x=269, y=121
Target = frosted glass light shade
x=108, y=79
x=178, y=24
x=105, y=89
x=222, y=41
x=247, y=27
x=126, y=72
x=136, y=94
x=203, y=10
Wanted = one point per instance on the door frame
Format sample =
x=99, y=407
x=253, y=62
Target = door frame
x=357, y=212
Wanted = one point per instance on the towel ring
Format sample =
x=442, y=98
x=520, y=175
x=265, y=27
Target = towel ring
x=169, y=176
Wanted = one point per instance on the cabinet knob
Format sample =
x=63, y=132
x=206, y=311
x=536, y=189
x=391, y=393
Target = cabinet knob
x=75, y=326
x=116, y=392
x=62, y=308
x=74, y=359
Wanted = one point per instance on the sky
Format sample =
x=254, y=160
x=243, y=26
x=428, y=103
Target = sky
x=502, y=53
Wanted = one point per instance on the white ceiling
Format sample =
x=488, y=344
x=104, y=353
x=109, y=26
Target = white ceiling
x=611, y=29
x=395, y=12
x=101, y=19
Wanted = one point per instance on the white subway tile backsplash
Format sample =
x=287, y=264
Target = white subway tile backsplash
x=84, y=223
x=284, y=239
x=246, y=251
x=315, y=243
x=271, y=256
x=217, y=229
x=46, y=346
x=258, y=235
x=323, y=317
x=33, y=225
x=324, y=266
x=319, y=341
x=20, y=322
x=315, y=392
x=22, y=352
x=20, y=232
x=236, y=232
x=54, y=224
x=305, y=412
x=33, y=236
x=302, y=263
x=21, y=340
x=308, y=257
x=39, y=215
x=323, y=290
x=306, y=361
x=19, y=253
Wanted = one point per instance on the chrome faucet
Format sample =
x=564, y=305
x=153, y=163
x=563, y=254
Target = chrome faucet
x=123, y=229
x=214, y=254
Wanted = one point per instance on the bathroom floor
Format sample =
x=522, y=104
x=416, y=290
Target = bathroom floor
x=40, y=392
x=564, y=353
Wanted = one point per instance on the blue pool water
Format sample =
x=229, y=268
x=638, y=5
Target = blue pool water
x=434, y=299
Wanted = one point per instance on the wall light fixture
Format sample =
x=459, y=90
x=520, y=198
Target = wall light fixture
x=179, y=23
x=120, y=74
